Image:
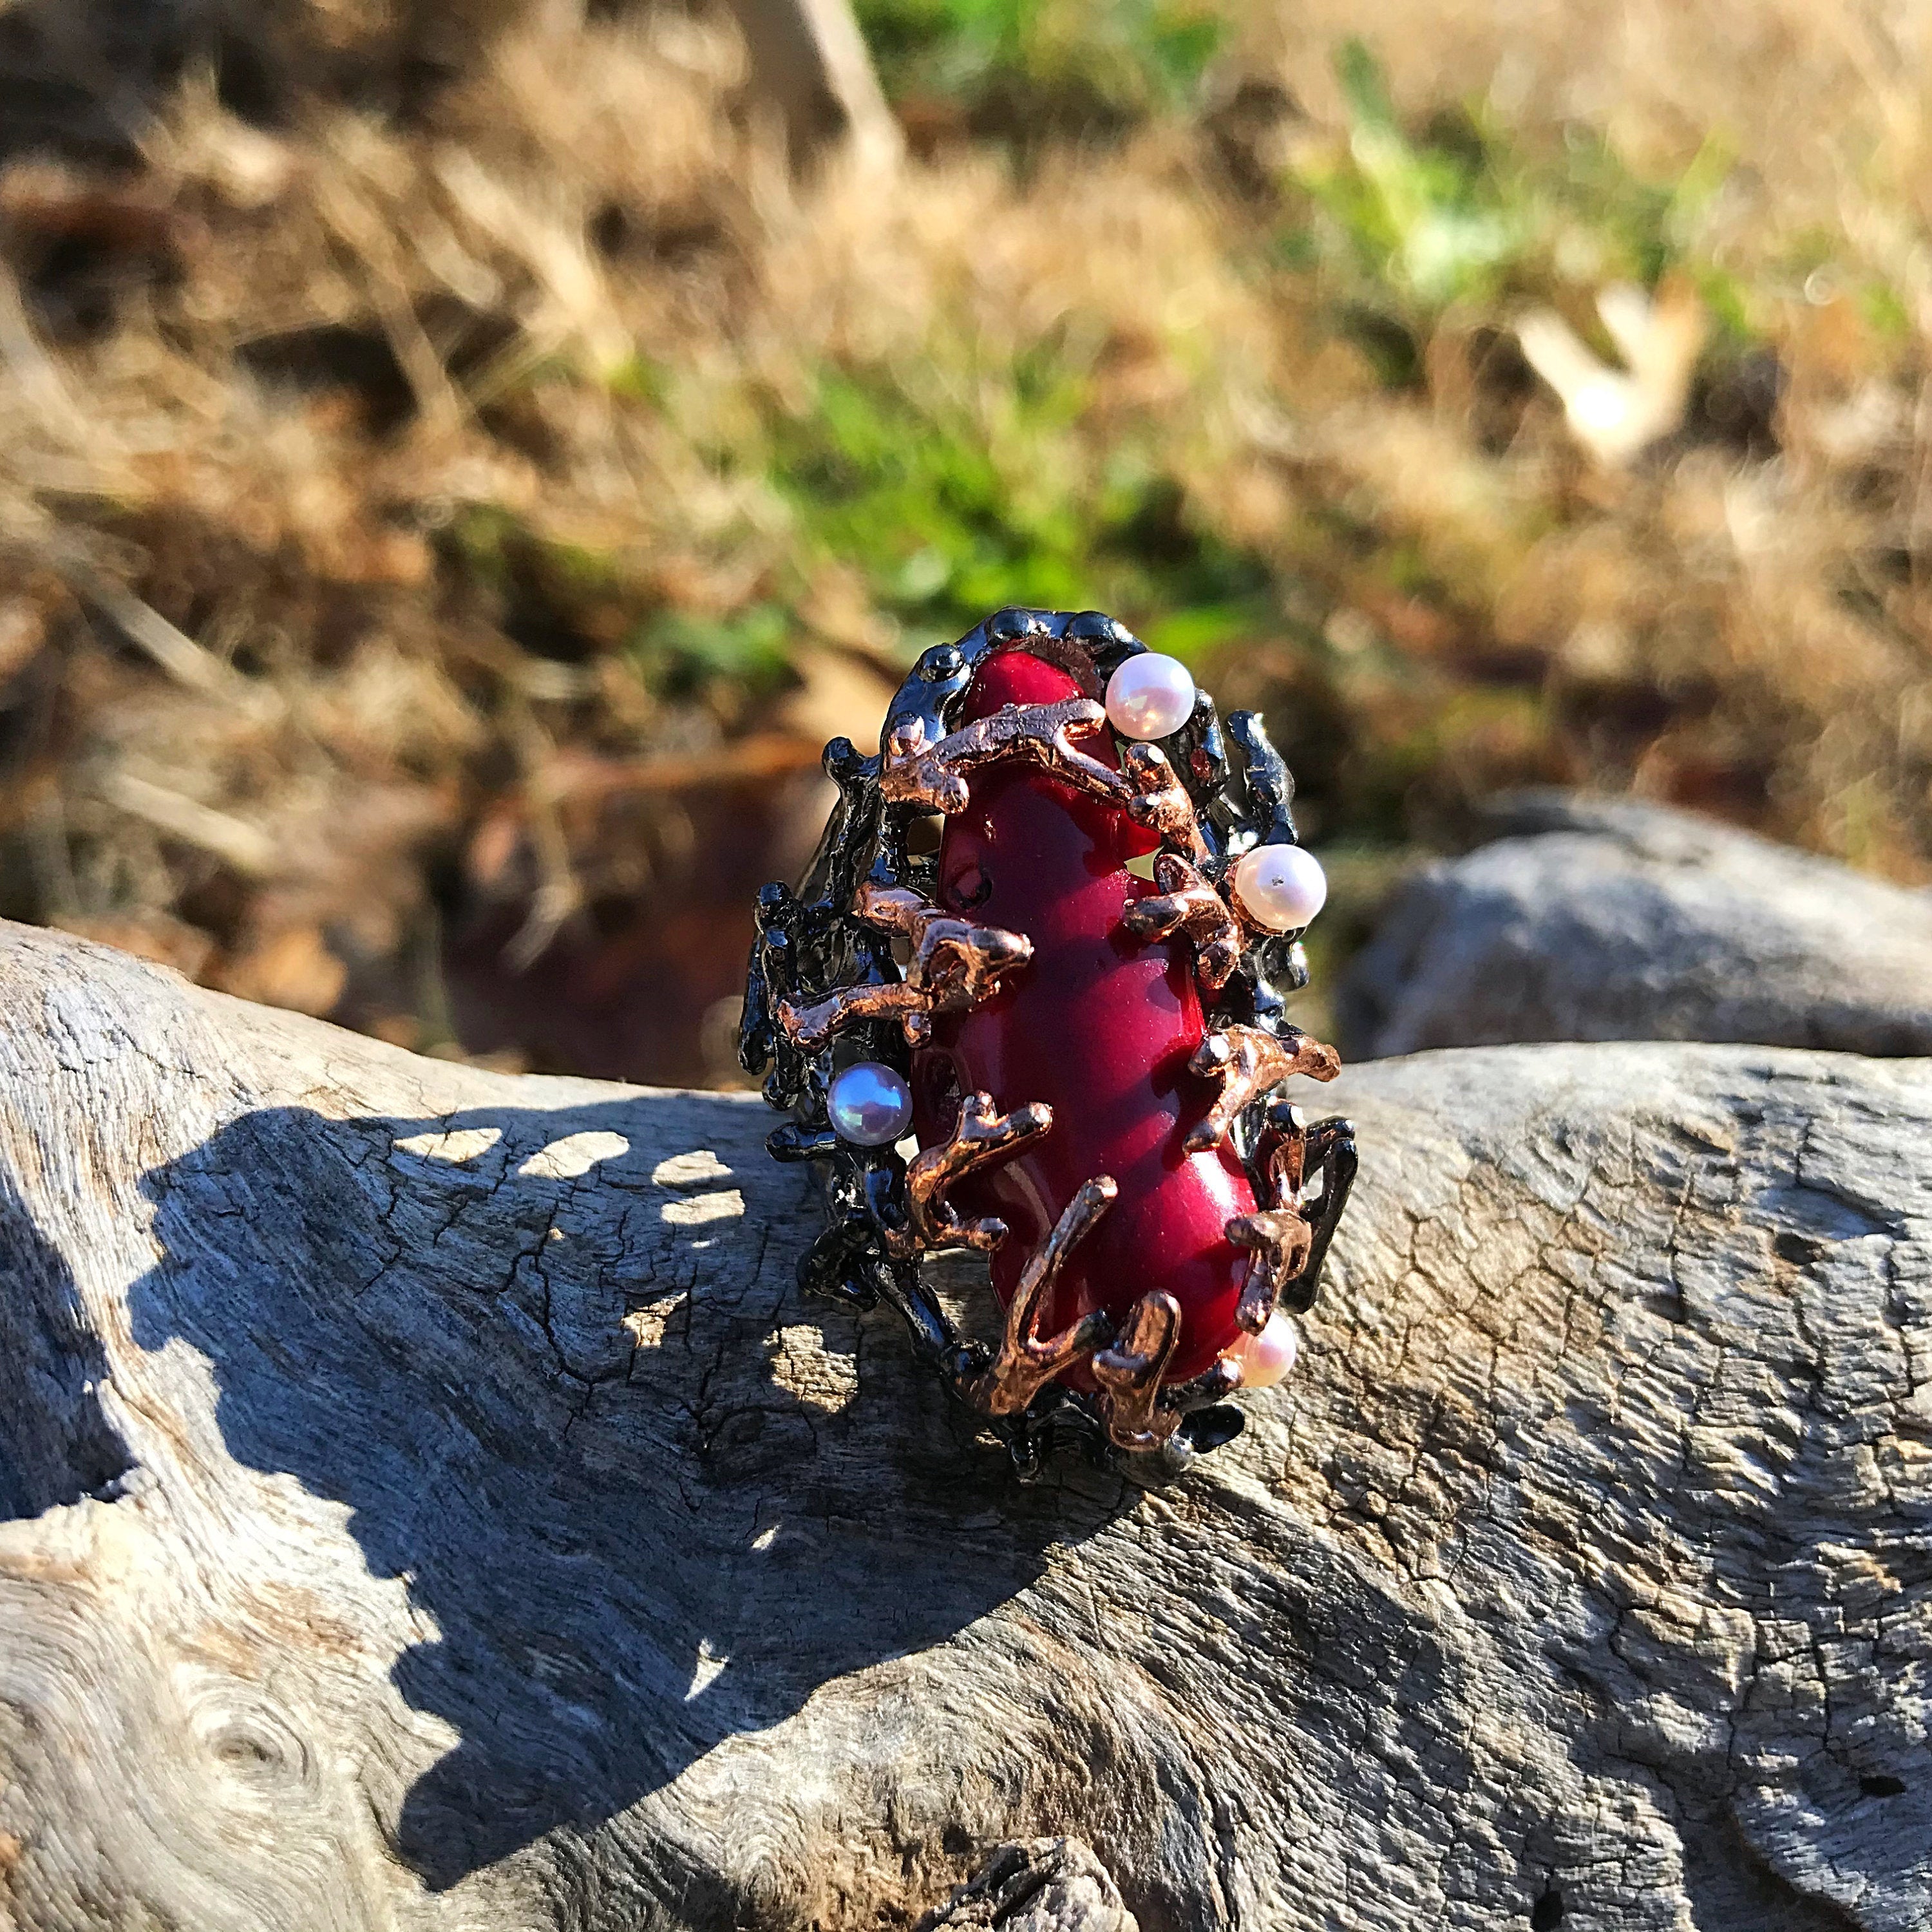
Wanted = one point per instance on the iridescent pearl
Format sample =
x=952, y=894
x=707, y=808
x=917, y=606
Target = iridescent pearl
x=868, y=1104
x=1150, y=696
x=1266, y=1357
x=1281, y=887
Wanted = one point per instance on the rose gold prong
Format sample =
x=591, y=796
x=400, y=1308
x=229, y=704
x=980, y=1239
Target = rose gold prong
x=809, y=1028
x=1130, y=1369
x=1025, y=1364
x=1161, y=803
x=1251, y=1063
x=894, y=909
x=1188, y=904
x=1279, y=1235
x=1279, y=1239
x=980, y=1137
x=954, y=965
x=958, y=963
x=931, y=774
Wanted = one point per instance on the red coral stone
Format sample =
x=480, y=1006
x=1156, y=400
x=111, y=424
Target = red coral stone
x=1100, y=1026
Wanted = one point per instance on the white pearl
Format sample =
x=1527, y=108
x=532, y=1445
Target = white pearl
x=1281, y=887
x=868, y=1104
x=1267, y=1357
x=1150, y=696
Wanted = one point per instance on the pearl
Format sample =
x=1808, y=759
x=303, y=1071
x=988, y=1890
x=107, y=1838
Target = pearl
x=868, y=1104
x=1150, y=696
x=1281, y=887
x=1267, y=1357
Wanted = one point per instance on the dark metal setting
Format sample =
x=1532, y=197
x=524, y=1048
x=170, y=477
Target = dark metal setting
x=825, y=988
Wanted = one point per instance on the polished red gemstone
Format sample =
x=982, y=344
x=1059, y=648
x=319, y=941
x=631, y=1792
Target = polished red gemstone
x=1100, y=1026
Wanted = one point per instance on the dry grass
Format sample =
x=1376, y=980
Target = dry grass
x=450, y=482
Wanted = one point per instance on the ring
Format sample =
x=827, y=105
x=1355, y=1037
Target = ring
x=1028, y=1001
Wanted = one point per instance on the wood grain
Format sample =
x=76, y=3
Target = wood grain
x=430, y=1504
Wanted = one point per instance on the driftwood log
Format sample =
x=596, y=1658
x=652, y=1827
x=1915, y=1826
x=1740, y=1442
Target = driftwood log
x=1603, y=919
x=430, y=1504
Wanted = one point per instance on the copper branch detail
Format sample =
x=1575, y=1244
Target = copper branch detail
x=1279, y=1235
x=917, y=771
x=1279, y=1239
x=954, y=965
x=1025, y=1364
x=1187, y=903
x=980, y=1136
x=1160, y=801
x=1250, y=1063
x=1130, y=1372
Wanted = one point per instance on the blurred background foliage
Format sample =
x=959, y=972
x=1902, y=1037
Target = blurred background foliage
x=457, y=466
x=1028, y=71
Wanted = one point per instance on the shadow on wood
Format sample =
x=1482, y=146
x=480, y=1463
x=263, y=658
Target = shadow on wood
x=624, y=1561
x=56, y=1446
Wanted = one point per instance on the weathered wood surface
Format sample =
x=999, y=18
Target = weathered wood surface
x=432, y=1506
x=1615, y=919
x=1051, y=1885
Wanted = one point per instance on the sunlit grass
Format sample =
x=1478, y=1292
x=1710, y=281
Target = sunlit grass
x=1486, y=404
x=1027, y=68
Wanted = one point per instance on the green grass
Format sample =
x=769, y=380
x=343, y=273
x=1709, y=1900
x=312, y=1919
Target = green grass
x=680, y=652
x=1027, y=67
x=1402, y=227
x=973, y=473
x=959, y=490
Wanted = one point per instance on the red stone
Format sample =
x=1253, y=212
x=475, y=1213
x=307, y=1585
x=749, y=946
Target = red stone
x=1100, y=1025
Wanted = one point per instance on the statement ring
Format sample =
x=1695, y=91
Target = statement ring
x=1028, y=1001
